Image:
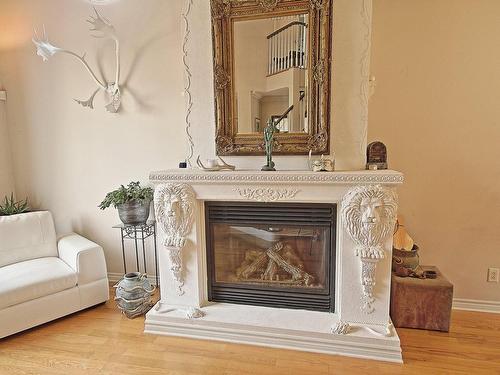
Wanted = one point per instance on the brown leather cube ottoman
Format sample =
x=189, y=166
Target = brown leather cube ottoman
x=421, y=303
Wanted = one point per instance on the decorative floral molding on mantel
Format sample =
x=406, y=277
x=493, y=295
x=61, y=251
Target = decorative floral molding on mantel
x=266, y=194
x=283, y=177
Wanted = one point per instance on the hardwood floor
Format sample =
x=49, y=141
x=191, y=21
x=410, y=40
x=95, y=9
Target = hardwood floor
x=101, y=341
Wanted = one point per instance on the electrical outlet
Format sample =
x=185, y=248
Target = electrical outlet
x=493, y=275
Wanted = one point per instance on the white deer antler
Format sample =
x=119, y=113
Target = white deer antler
x=103, y=29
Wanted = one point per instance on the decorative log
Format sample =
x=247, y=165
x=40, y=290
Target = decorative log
x=297, y=273
x=246, y=271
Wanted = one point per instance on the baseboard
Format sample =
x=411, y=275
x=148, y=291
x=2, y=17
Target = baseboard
x=476, y=305
x=114, y=277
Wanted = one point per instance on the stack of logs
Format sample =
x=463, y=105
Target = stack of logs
x=267, y=264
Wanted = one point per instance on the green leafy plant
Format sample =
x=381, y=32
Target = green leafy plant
x=132, y=192
x=12, y=207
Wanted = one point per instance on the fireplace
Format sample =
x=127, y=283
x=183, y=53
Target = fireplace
x=271, y=254
x=288, y=259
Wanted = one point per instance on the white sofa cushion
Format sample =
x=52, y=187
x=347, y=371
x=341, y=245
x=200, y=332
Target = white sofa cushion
x=27, y=236
x=34, y=278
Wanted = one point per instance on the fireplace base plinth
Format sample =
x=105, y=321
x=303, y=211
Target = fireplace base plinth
x=255, y=325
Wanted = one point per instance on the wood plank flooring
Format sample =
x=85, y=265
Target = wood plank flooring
x=101, y=341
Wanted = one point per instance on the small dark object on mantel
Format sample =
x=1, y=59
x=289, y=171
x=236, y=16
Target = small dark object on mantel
x=183, y=164
x=422, y=303
x=376, y=156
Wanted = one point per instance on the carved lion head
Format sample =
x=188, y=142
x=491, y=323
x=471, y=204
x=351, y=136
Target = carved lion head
x=369, y=215
x=174, y=208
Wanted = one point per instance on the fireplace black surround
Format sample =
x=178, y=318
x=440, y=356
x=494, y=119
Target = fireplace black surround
x=271, y=254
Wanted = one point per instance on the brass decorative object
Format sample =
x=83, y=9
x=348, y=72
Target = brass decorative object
x=222, y=166
x=316, y=137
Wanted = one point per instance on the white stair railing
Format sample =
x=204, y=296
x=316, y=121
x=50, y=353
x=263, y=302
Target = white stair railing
x=287, y=47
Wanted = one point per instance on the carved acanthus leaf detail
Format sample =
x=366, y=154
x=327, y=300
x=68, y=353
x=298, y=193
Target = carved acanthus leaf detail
x=317, y=4
x=221, y=77
x=220, y=8
x=319, y=72
x=268, y=5
x=266, y=194
x=369, y=215
x=318, y=142
x=341, y=328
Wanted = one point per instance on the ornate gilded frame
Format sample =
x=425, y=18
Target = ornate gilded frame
x=224, y=13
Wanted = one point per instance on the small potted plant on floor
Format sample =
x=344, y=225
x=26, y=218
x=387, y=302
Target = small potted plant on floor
x=132, y=202
x=9, y=206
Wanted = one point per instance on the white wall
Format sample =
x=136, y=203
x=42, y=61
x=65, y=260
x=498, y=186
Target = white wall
x=6, y=176
x=67, y=157
x=436, y=106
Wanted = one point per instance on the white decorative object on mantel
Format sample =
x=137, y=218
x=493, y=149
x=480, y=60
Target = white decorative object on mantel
x=104, y=29
x=261, y=194
x=174, y=208
x=369, y=214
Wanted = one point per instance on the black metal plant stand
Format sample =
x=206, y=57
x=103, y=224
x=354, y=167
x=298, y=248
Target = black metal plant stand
x=139, y=233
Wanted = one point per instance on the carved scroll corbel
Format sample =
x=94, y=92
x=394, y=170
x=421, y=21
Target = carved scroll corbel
x=174, y=208
x=369, y=215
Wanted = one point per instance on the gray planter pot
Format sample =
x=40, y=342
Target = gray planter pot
x=134, y=212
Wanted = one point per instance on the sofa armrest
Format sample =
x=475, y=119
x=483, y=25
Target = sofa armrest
x=84, y=256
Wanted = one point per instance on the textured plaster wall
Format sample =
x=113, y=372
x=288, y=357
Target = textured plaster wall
x=436, y=107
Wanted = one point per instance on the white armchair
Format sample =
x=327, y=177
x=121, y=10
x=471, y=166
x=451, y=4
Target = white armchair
x=42, y=278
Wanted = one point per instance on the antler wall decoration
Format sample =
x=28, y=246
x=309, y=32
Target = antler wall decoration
x=101, y=28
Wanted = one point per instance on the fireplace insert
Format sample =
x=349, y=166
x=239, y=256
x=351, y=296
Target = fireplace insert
x=271, y=254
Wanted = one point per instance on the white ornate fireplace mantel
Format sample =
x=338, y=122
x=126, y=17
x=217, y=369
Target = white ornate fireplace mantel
x=366, y=210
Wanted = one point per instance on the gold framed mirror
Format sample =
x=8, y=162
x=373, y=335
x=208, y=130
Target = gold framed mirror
x=272, y=62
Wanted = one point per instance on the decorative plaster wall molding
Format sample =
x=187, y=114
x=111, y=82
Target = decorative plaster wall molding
x=280, y=177
x=369, y=215
x=174, y=208
x=364, y=92
x=266, y=194
x=187, y=85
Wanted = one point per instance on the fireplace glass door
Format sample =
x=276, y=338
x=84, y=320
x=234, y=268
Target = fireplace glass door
x=277, y=255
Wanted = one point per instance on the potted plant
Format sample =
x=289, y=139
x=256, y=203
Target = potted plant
x=9, y=206
x=132, y=202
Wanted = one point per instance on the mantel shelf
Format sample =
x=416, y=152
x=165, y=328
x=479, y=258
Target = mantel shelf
x=278, y=177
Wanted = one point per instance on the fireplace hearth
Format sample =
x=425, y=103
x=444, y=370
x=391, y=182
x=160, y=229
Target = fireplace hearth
x=271, y=254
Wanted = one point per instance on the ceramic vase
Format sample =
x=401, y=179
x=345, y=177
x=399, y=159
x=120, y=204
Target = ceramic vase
x=133, y=294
